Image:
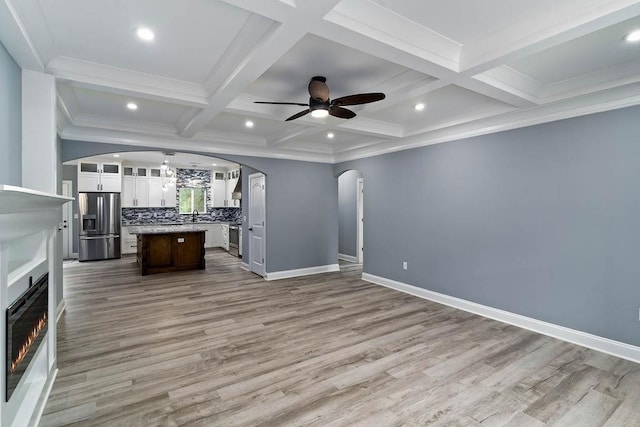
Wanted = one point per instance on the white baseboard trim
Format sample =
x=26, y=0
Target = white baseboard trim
x=244, y=266
x=605, y=345
x=62, y=306
x=276, y=275
x=42, y=400
x=348, y=258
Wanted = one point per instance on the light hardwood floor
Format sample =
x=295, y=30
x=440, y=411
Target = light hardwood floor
x=223, y=347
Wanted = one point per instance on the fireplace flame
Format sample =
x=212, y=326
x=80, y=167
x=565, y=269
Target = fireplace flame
x=22, y=352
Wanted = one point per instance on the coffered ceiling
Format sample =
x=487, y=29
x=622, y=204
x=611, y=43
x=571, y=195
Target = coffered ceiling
x=478, y=67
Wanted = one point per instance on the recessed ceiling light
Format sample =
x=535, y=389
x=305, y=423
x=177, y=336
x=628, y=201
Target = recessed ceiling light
x=132, y=106
x=330, y=135
x=419, y=107
x=633, y=36
x=319, y=113
x=248, y=124
x=145, y=34
x=213, y=164
x=116, y=155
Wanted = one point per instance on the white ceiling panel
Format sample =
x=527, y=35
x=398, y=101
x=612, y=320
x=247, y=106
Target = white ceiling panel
x=593, y=52
x=451, y=103
x=347, y=70
x=236, y=123
x=114, y=106
x=191, y=35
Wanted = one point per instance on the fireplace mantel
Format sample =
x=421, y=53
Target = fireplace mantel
x=29, y=222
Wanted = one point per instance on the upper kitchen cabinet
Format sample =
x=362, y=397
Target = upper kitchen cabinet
x=99, y=176
x=218, y=188
x=144, y=187
x=232, y=179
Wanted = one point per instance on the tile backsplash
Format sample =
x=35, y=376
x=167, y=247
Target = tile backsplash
x=136, y=216
x=192, y=178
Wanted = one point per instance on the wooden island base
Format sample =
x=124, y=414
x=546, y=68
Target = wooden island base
x=166, y=252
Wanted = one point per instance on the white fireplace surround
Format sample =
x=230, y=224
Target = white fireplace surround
x=29, y=224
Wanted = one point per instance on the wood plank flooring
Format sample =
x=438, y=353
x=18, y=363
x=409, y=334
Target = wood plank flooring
x=222, y=347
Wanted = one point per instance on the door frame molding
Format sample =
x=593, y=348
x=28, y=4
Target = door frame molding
x=264, y=227
x=69, y=248
x=360, y=218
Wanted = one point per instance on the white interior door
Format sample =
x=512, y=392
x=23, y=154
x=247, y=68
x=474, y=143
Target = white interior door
x=360, y=248
x=257, y=224
x=67, y=223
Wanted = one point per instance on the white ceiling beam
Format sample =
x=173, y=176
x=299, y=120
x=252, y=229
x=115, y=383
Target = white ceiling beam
x=501, y=47
x=263, y=55
x=15, y=39
x=379, y=23
x=176, y=143
x=132, y=83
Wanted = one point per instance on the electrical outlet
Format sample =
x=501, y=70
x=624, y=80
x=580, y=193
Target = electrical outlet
x=404, y=265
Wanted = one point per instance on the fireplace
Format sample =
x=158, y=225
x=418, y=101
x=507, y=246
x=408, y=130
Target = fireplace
x=26, y=327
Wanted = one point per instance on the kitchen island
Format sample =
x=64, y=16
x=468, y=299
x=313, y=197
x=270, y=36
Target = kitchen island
x=162, y=249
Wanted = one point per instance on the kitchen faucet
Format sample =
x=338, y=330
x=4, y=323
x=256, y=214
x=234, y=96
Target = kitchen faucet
x=195, y=212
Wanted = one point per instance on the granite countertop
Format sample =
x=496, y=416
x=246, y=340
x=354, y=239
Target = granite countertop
x=166, y=229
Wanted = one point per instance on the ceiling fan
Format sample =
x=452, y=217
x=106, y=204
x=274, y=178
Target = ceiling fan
x=320, y=105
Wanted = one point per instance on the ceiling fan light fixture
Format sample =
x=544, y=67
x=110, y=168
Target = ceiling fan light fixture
x=320, y=113
x=633, y=36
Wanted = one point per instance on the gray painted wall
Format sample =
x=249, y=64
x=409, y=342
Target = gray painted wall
x=541, y=221
x=302, y=201
x=348, y=212
x=10, y=120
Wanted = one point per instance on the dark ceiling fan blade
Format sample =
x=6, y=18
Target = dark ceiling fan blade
x=298, y=115
x=281, y=103
x=342, y=113
x=361, y=98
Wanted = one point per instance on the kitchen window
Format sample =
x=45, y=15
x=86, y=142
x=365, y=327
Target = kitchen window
x=193, y=199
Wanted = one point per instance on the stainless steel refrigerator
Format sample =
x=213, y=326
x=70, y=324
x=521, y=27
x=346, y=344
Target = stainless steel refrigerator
x=99, y=226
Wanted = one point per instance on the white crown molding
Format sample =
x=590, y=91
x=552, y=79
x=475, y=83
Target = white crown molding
x=376, y=22
x=286, y=274
x=233, y=137
x=594, y=103
x=605, y=345
x=117, y=80
x=16, y=40
x=176, y=143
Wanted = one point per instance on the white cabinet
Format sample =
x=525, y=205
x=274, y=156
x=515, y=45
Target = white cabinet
x=225, y=236
x=160, y=195
x=135, y=191
x=99, y=176
x=213, y=237
x=128, y=241
x=143, y=187
x=218, y=188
